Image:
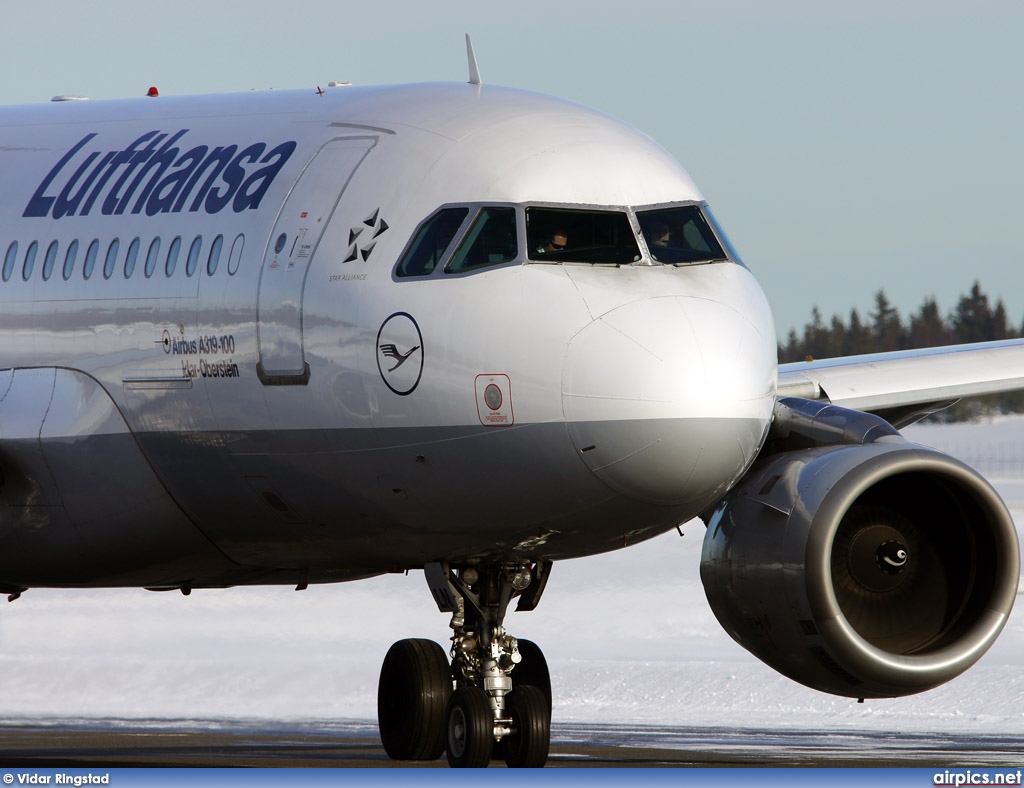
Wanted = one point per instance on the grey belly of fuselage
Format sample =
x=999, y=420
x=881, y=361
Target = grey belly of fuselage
x=168, y=509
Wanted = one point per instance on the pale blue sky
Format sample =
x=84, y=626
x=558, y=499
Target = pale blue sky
x=845, y=147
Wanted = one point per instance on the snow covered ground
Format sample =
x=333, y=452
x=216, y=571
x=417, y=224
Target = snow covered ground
x=629, y=638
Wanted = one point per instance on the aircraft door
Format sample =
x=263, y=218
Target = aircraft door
x=293, y=243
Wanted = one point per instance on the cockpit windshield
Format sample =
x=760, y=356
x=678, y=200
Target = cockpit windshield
x=580, y=236
x=465, y=239
x=679, y=235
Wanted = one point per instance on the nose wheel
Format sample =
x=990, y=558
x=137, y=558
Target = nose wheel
x=470, y=728
x=494, y=700
x=529, y=735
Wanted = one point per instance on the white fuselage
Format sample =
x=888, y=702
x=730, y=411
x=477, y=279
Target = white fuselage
x=286, y=405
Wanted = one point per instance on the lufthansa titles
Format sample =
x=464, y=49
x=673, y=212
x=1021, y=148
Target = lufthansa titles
x=157, y=173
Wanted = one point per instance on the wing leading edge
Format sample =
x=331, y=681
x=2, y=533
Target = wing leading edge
x=905, y=385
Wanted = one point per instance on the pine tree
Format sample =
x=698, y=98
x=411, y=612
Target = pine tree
x=928, y=329
x=1000, y=323
x=816, y=340
x=837, y=339
x=858, y=336
x=973, y=320
x=887, y=326
x=791, y=350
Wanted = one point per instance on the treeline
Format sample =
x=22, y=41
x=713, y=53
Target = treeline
x=974, y=319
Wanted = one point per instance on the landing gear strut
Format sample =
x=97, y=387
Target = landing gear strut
x=501, y=702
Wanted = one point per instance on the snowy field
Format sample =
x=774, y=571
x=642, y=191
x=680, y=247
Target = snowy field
x=629, y=638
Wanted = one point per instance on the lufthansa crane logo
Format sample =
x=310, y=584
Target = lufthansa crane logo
x=400, y=353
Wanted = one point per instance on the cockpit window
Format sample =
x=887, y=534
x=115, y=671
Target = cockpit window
x=491, y=240
x=679, y=235
x=710, y=216
x=578, y=236
x=433, y=239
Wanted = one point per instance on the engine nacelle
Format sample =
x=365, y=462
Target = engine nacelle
x=872, y=570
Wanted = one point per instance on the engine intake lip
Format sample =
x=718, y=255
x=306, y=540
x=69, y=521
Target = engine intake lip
x=977, y=601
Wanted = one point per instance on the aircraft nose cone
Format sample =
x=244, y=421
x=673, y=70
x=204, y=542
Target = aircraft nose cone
x=667, y=400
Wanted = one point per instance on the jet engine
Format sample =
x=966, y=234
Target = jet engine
x=860, y=564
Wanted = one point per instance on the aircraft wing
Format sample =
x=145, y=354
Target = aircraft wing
x=903, y=386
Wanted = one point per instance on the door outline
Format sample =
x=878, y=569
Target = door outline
x=286, y=265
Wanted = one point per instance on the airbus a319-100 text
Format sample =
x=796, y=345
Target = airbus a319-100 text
x=298, y=337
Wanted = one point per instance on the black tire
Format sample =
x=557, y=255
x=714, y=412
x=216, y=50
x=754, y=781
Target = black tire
x=533, y=670
x=470, y=729
x=528, y=743
x=412, y=696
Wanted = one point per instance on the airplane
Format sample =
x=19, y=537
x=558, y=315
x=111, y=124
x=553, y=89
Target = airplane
x=300, y=337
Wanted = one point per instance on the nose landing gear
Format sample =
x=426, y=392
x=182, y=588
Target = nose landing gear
x=486, y=715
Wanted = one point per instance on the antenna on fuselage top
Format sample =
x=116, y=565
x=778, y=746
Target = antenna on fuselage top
x=474, y=69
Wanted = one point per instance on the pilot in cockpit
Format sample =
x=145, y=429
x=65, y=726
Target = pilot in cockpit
x=659, y=236
x=556, y=242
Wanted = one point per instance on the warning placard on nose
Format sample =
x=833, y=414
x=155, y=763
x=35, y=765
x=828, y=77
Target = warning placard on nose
x=494, y=400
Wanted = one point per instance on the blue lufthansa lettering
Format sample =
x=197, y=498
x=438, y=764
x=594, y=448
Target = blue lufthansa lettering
x=255, y=186
x=110, y=165
x=220, y=158
x=153, y=176
x=161, y=160
x=110, y=204
x=40, y=204
x=67, y=203
x=233, y=176
x=163, y=197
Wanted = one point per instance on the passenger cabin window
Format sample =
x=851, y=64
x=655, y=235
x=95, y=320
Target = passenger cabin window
x=30, y=260
x=131, y=258
x=112, y=255
x=172, y=257
x=431, y=242
x=151, y=258
x=679, y=235
x=580, y=236
x=50, y=260
x=235, y=258
x=491, y=240
x=193, y=256
x=69, y=259
x=90, y=258
x=111, y=260
x=214, y=259
x=10, y=259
